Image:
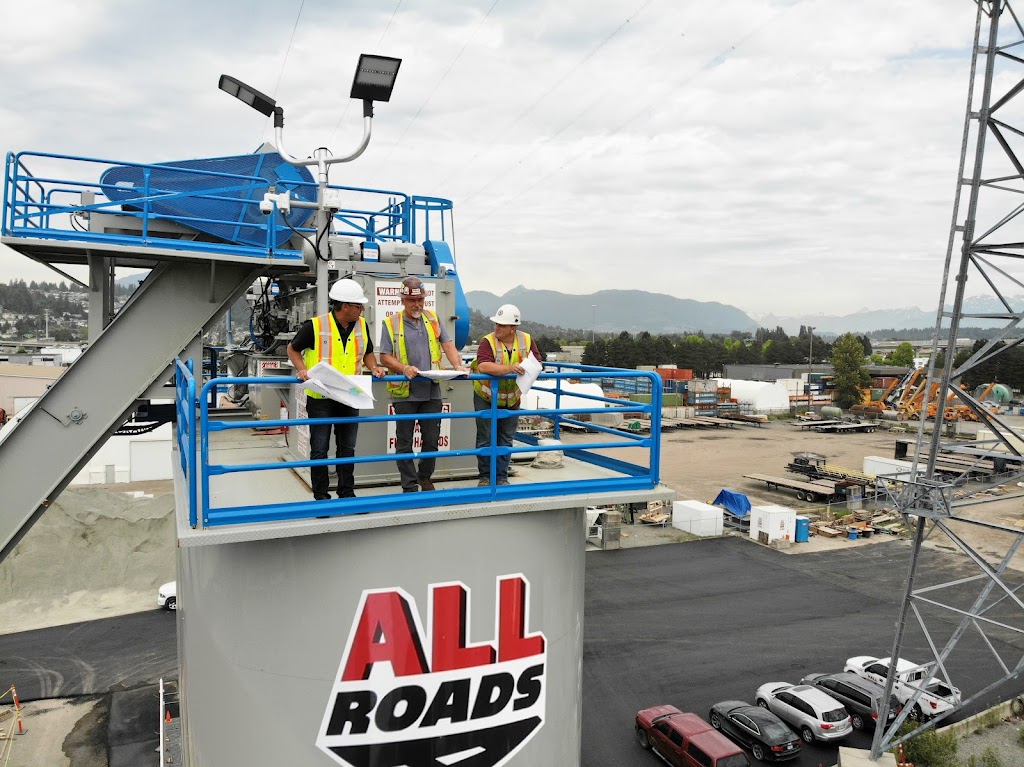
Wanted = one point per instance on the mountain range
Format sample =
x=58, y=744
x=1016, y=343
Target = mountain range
x=608, y=311
x=897, y=318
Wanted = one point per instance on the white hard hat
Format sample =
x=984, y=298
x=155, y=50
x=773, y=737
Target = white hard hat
x=508, y=314
x=348, y=292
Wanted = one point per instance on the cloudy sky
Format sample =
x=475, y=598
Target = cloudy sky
x=783, y=156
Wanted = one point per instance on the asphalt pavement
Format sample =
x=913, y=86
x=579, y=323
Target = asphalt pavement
x=694, y=624
x=689, y=624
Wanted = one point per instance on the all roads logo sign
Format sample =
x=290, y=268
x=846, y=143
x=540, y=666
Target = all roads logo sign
x=463, y=704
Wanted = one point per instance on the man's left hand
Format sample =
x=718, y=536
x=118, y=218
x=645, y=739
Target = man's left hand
x=379, y=371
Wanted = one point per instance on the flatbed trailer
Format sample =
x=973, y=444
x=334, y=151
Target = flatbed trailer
x=751, y=420
x=842, y=427
x=816, y=424
x=712, y=420
x=816, y=490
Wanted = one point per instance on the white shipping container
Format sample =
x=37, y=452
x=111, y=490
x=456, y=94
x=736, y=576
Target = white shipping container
x=699, y=385
x=697, y=518
x=876, y=465
x=779, y=522
x=793, y=386
x=985, y=435
x=687, y=412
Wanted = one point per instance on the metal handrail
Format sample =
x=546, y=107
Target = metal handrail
x=628, y=476
x=185, y=428
x=30, y=212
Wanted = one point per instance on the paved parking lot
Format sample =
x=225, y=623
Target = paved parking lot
x=696, y=623
x=689, y=624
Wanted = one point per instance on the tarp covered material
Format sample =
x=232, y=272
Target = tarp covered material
x=735, y=503
x=759, y=396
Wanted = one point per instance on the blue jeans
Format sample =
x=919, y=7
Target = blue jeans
x=506, y=431
x=320, y=443
x=430, y=430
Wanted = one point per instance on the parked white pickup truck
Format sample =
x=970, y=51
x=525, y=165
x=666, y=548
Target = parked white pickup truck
x=937, y=698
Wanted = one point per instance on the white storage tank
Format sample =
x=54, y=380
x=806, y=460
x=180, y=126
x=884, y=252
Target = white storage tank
x=697, y=518
x=777, y=523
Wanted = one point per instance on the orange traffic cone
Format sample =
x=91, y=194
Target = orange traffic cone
x=167, y=717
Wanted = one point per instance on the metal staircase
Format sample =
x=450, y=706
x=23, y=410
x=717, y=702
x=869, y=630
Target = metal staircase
x=72, y=420
x=196, y=225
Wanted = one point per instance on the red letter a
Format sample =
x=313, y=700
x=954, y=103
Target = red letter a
x=385, y=631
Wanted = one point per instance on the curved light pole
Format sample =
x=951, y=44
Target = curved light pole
x=373, y=81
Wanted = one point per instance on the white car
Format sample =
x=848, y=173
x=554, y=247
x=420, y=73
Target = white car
x=811, y=712
x=937, y=698
x=167, y=596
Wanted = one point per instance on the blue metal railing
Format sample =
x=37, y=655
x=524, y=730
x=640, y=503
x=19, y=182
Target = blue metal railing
x=225, y=204
x=185, y=428
x=620, y=475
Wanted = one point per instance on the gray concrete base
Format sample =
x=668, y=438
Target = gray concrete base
x=859, y=757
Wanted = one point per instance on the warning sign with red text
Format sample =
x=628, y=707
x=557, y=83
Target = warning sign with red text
x=443, y=440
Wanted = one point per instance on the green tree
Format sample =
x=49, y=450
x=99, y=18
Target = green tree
x=903, y=355
x=931, y=749
x=850, y=371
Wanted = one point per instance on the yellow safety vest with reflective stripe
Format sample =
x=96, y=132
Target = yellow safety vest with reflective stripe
x=433, y=328
x=508, y=391
x=346, y=358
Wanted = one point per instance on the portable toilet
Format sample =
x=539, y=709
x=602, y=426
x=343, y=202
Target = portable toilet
x=772, y=523
x=803, y=529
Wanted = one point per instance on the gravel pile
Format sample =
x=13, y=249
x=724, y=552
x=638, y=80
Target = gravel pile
x=1003, y=739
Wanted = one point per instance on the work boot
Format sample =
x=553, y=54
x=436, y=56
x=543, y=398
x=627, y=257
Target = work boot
x=483, y=483
x=426, y=484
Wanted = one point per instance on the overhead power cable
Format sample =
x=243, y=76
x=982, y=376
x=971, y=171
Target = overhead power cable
x=284, y=63
x=348, y=102
x=493, y=141
x=438, y=84
x=648, y=108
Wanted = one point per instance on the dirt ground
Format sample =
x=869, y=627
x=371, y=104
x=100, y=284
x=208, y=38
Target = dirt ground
x=698, y=463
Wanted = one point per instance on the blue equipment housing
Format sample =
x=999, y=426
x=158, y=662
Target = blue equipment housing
x=219, y=195
x=441, y=262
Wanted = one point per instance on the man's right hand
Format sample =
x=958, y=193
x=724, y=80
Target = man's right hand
x=303, y=375
x=411, y=371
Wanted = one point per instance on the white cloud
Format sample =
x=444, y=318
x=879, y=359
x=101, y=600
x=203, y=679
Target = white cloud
x=779, y=156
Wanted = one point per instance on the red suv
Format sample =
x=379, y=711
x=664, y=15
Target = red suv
x=686, y=740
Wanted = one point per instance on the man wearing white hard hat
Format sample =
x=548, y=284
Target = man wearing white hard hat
x=412, y=340
x=342, y=339
x=500, y=354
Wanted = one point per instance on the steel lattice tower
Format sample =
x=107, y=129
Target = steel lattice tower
x=981, y=615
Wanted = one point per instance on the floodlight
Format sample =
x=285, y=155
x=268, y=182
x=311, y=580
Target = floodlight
x=375, y=77
x=247, y=95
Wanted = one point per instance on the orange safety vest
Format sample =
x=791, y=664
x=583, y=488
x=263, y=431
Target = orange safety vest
x=508, y=391
x=345, y=358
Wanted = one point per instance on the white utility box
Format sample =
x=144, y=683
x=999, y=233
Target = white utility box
x=772, y=523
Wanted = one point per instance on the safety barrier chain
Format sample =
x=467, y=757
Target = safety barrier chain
x=8, y=736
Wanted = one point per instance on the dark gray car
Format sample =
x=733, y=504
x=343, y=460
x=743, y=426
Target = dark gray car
x=861, y=697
